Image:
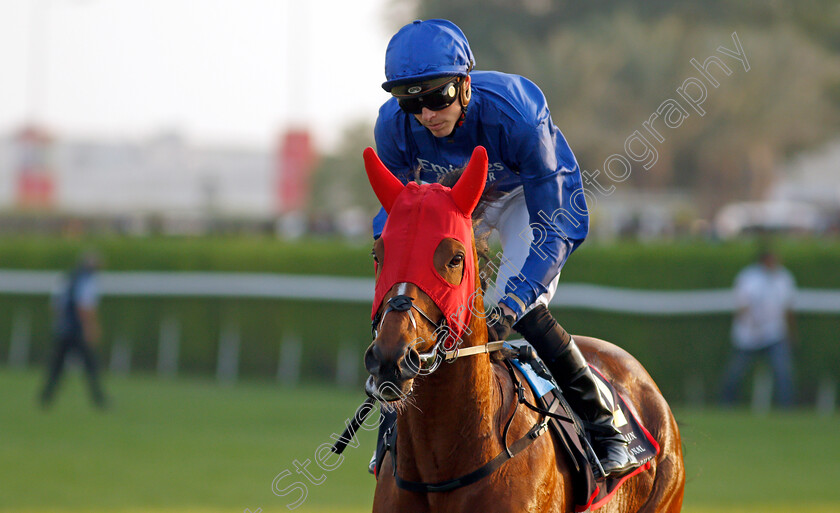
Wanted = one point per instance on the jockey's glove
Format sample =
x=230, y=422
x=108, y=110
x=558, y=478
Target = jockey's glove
x=499, y=325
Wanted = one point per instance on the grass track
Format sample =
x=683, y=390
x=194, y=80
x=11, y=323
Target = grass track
x=189, y=445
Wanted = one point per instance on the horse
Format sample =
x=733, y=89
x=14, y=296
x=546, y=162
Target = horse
x=455, y=417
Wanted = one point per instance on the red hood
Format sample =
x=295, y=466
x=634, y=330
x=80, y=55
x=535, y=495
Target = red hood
x=419, y=218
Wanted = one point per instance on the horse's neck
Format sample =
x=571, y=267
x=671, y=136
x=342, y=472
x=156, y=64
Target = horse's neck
x=453, y=412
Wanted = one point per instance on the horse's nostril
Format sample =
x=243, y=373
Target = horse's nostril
x=390, y=367
x=410, y=364
x=372, y=359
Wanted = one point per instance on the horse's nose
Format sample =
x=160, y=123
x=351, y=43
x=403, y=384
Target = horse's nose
x=409, y=364
x=373, y=355
x=406, y=366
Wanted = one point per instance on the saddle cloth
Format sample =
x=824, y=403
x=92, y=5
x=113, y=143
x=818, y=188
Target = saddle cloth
x=590, y=491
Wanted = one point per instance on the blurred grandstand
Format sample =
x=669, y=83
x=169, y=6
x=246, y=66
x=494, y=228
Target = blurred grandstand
x=165, y=185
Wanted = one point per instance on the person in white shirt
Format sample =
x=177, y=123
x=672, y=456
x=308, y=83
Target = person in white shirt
x=763, y=326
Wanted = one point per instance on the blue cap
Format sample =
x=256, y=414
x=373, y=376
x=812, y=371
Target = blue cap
x=424, y=50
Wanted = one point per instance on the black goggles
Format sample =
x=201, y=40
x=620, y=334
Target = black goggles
x=437, y=98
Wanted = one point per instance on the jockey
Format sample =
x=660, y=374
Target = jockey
x=440, y=110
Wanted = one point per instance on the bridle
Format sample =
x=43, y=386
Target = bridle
x=402, y=303
x=430, y=361
x=441, y=351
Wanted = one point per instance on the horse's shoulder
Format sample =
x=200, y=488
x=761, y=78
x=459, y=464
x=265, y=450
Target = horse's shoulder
x=508, y=389
x=502, y=381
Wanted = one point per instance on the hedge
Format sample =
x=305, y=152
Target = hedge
x=678, y=265
x=677, y=350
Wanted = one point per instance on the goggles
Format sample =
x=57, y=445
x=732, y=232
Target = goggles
x=412, y=98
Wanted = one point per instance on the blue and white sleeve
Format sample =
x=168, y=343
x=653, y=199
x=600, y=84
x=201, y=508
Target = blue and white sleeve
x=392, y=154
x=558, y=217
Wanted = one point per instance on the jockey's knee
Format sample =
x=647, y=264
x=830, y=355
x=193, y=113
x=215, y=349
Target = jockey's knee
x=543, y=332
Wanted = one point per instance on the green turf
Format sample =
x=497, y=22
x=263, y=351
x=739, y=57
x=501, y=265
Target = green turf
x=736, y=461
x=185, y=445
x=189, y=445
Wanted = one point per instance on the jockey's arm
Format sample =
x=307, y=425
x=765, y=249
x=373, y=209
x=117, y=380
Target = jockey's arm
x=550, y=178
x=379, y=223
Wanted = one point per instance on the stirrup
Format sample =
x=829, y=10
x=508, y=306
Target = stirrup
x=594, y=461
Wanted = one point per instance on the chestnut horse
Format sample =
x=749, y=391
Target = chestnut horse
x=451, y=421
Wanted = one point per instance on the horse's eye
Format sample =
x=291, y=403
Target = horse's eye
x=456, y=261
x=373, y=254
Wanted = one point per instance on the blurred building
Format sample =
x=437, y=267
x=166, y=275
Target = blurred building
x=164, y=175
x=295, y=160
x=769, y=216
x=804, y=199
x=812, y=178
x=643, y=215
x=34, y=186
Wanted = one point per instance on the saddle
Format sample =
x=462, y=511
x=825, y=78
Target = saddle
x=591, y=489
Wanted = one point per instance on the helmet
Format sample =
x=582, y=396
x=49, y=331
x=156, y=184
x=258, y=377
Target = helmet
x=424, y=50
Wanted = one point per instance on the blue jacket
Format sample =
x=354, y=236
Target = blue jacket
x=508, y=115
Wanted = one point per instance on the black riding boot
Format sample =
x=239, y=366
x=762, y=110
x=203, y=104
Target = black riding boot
x=569, y=368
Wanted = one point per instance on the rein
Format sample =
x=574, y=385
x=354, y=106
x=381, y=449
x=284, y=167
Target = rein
x=439, y=353
x=431, y=361
x=488, y=468
x=474, y=350
x=367, y=406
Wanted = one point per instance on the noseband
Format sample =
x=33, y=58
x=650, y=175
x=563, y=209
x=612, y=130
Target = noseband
x=401, y=303
x=430, y=361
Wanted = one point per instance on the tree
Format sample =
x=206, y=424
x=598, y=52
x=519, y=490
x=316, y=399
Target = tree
x=339, y=181
x=606, y=65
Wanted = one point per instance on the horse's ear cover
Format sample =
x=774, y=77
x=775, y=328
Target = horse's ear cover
x=420, y=216
x=467, y=190
x=385, y=185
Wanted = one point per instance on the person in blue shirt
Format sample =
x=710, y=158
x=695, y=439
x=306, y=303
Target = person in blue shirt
x=77, y=329
x=440, y=110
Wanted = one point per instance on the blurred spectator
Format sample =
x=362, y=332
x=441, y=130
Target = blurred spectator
x=763, y=326
x=77, y=328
